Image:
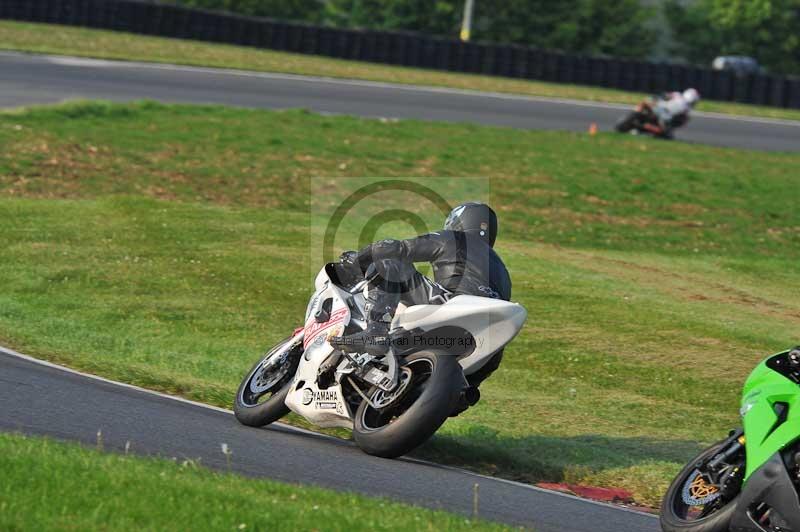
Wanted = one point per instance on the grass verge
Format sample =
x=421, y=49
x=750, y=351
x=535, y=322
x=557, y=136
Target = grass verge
x=167, y=246
x=48, y=485
x=54, y=39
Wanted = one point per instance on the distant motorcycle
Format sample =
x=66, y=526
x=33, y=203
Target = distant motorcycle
x=392, y=403
x=644, y=120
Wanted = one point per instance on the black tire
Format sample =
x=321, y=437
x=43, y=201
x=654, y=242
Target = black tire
x=667, y=135
x=626, y=123
x=419, y=414
x=671, y=521
x=274, y=408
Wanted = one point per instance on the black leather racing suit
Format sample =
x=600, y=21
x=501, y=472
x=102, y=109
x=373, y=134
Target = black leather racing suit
x=463, y=263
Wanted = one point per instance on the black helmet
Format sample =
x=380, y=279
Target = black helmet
x=473, y=217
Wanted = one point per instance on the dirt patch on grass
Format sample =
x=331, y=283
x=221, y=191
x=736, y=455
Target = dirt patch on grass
x=664, y=318
x=50, y=169
x=687, y=209
x=685, y=286
x=717, y=291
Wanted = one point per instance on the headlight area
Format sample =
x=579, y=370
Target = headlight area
x=747, y=406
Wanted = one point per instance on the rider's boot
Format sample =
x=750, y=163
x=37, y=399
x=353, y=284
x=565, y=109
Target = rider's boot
x=469, y=397
x=379, y=308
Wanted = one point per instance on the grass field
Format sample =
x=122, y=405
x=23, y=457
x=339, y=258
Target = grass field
x=53, y=39
x=167, y=246
x=49, y=485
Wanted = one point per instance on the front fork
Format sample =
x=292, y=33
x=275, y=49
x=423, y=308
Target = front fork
x=724, y=473
x=732, y=445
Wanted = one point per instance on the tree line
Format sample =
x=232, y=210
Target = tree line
x=768, y=30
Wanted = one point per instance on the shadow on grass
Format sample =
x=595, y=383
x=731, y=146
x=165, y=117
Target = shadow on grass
x=539, y=458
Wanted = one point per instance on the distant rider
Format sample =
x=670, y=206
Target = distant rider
x=463, y=262
x=672, y=109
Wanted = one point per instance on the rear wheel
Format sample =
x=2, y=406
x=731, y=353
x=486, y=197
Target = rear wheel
x=696, y=500
x=429, y=389
x=667, y=134
x=261, y=397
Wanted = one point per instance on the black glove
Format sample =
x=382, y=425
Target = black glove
x=350, y=268
x=349, y=260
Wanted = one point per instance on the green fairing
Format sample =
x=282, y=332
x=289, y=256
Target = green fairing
x=764, y=388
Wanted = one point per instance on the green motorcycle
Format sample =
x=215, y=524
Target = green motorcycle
x=750, y=481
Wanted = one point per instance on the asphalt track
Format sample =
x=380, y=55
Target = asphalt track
x=43, y=399
x=31, y=79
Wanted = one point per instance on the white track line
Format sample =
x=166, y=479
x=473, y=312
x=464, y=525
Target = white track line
x=104, y=63
x=10, y=352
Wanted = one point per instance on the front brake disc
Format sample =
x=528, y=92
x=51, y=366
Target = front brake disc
x=699, y=491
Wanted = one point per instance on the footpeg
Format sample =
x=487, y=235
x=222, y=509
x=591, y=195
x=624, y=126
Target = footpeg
x=469, y=397
x=472, y=395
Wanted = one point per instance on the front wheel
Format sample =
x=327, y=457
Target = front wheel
x=429, y=389
x=627, y=122
x=701, y=501
x=261, y=397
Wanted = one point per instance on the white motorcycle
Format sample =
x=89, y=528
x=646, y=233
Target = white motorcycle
x=392, y=403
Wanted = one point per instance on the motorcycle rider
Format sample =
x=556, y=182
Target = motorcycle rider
x=672, y=109
x=463, y=262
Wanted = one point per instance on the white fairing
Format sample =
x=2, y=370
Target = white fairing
x=325, y=408
x=491, y=322
x=675, y=106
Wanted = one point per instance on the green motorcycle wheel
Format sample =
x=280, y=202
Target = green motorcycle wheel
x=694, y=503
